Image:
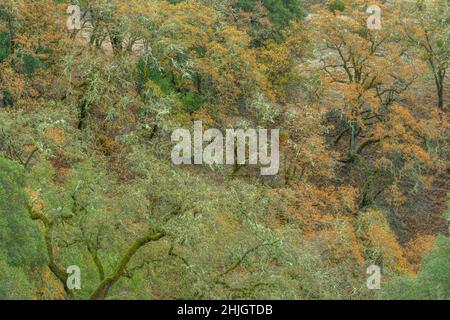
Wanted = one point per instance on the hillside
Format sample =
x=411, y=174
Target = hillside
x=120, y=155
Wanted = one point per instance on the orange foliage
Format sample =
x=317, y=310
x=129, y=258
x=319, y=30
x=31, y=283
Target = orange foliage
x=380, y=244
x=56, y=135
x=417, y=249
x=338, y=244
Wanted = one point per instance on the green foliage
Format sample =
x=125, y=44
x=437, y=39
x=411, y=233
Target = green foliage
x=14, y=283
x=87, y=137
x=191, y=101
x=21, y=245
x=432, y=282
x=336, y=5
x=30, y=64
x=6, y=99
x=147, y=71
x=281, y=12
x=5, y=45
x=433, y=279
x=21, y=240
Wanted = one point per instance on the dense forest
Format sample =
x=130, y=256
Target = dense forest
x=92, y=90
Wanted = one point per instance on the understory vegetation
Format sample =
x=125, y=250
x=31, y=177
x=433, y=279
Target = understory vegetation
x=86, y=177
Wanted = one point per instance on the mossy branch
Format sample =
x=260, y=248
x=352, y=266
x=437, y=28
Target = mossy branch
x=59, y=272
x=103, y=288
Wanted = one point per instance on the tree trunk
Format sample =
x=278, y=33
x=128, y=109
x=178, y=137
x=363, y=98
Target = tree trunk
x=440, y=94
x=103, y=288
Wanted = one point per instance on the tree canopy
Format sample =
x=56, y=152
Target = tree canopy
x=86, y=177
